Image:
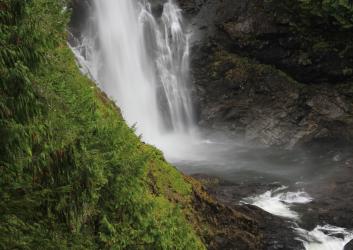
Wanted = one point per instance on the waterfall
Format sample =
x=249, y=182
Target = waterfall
x=142, y=63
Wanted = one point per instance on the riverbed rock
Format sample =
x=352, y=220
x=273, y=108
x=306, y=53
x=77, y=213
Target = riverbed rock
x=277, y=232
x=332, y=203
x=349, y=246
x=224, y=227
x=262, y=73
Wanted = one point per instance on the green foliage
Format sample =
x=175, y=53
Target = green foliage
x=338, y=12
x=322, y=31
x=73, y=174
x=311, y=15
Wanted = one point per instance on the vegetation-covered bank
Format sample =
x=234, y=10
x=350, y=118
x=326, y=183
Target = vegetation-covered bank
x=73, y=174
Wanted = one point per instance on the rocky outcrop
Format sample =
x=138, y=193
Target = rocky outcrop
x=267, y=106
x=272, y=75
x=349, y=246
x=276, y=232
x=80, y=12
x=224, y=227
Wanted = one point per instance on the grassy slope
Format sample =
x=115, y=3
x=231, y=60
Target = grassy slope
x=73, y=175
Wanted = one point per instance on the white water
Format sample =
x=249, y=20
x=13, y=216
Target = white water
x=142, y=63
x=279, y=202
x=325, y=238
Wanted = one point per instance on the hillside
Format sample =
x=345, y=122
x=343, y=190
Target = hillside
x=73, y=174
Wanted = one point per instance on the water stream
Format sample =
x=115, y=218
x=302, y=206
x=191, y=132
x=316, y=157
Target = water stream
x=141, y=61
x=279, y=202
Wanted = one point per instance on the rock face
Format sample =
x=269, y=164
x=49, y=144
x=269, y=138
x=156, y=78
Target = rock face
x=349, y=246
x=80, y=13
x=277, y=233
x=225, y=227
x=273, y=76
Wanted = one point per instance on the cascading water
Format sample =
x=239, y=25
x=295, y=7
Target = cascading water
x=142, y=63
x=279, y=202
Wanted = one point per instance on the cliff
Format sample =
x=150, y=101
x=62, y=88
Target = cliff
x=274, y=72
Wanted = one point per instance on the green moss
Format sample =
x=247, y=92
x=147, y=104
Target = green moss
x=73, y=174
x=347, y=71
x=304, y=59
x=243, y=69
x=165, y=178
x=321, y=47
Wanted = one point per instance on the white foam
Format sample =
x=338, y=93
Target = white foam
x=279, y=203
x=325, y=238
x=142, y=63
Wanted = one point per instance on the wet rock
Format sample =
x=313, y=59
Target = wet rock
x=265, y=105
x=225, y=227
x=277, y=232
x=349, y=246
x=191, y=6
x=332, y=204
x=80, y=13
x=257, y=77
x=267, y=31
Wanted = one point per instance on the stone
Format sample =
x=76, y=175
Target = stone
x=253, y=78
x=349, y=246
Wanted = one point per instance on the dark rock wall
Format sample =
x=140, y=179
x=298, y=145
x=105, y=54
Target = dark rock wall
x=81, y=10
x=349, y=246
x=275, y=72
